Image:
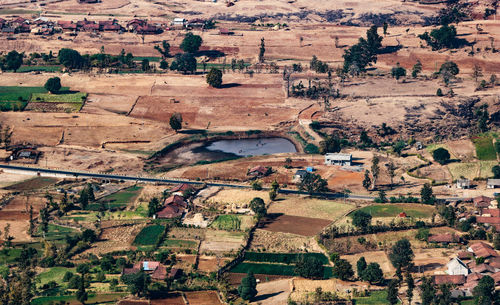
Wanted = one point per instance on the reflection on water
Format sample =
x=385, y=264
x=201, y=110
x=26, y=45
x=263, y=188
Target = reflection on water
x=252, y=147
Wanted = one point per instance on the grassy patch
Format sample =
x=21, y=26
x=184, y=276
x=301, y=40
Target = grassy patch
x=15, y=93
x=117, y=200
x=9, y=256
x=375, y=298
x=57, y=233
x=150, y=58
x=484, y=148
x=32, y=184
x=180, y=243
x=485, y=168
x=39, y=68
x=467, y=170
x=54, y=274
x=282, y=258
x=77, y=97
x=149, y=235
x=103, y=298
x=227, y=222
x=272, y=269
x=309, y=207
x=392, y=210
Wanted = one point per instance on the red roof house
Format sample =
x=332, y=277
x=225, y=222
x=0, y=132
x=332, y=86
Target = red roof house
x=444, y=238
x=170, y=211
x=449, y=279
x=175, y=200
x=482, y=202
x=481, y=249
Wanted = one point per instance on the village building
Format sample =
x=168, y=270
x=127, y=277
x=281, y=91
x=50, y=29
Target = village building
x=338, y=159
x=483, y=250
x=180, y=189
x=463, y=183
x=299, y=175
x=482, y=202
x=493, y=183
x=457, y=267
x=259, y=171
x=179, y=22
x=444, y=239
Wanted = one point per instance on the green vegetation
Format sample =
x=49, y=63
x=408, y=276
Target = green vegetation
x=227, y=222
x=485, y=168
x=54, y=274
x=283, y=258
x=375, y=298
x=149, y=235
x=103, y=298
x=392, y=210
x=273, y=269
x=77, y=97
x=39, y=68
x=58, y=233
x=117, y=200
x=150, y=58
x=179, y=243
x=484, y=148
x=15, y=93
x=466, y=169
x=9, y=255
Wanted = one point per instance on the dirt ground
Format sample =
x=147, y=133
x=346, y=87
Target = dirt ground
x=275, y=292
x=202, y=298
x=116, y=236
x=293, y=224
x=211, y=263
x=268, y=241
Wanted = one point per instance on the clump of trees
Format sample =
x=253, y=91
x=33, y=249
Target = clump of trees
x=444, y=37
x=12, y=61
x=362, y=54
x=185, y=62
x=313, y=183
x=441, y=155
x=214, y=78
x=53, y=85
x=318, y=65
x=191, y=43
x=258, y=206
x=397, y=72
x=248, y=287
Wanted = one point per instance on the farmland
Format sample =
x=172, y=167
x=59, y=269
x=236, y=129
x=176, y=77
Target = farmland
x=393, y=210
x=149, y=235
x=484, y=148
x=314, y=208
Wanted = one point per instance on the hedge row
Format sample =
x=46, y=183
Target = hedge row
x=274, y=269
x=283, y=258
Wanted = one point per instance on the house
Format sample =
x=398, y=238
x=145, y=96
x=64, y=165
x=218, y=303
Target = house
x=112, y=27
x=91, y=27
x=457, y=267
x=338, y=159
x=481, y=249
x=133, y=24
x=160, y=273
x=402, y=215
x=489, y=220
x=179, y=22
x=463, y=255
x=224, y=31
x=147, y=266
x=482, y=202
x=484, y=269
x=259, y=171
x=180, y=189
x=170, y=211
x=175, y=200
x=147, y=29
x=196, y=23
x=493, y=183
x=463, y=183
x=299, y=175
x=444, y=238
x=449, y=279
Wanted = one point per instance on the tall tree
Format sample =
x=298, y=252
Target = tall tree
x=361, y=266
x=361, y=219
x=53, y=84
x=342, y=270
x=164, y=49
x=427, y=291
x=426, y=194
x=262, y=50
x=401, y=254
x=391, y=169
x=248, y=287
x=153, y=206
x=313, y=183
x=484, y=293
x=12, y=61
x=176, y=121
x=410, y=283
x=375, y=170
x=373, y=274
x=191, y=43
x=477, y=72
x=258, y=206
x=367, y=181
x=392, y=292
x=214, y=78
x=31, y=229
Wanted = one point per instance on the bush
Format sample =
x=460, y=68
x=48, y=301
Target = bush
x=439, y=92
x=214, y=78
x=53, y=85
x=441, y=155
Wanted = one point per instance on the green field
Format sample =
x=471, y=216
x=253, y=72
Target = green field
x=15, y=93
x=485, y=168
x=283, y=258
x=150, y=58
x=103, y=298
x=180, y=243
x=227, y=222
x=149, y=235
x=393, y=210
x=117, y=200
x=57, y=233
x=484, y=148
x=273, y=269
x=39, y=68
x=76, y=97
x=375, y=298
x=54, y=274
x=9, y=256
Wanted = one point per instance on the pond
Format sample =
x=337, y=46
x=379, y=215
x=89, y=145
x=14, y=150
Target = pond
x=228, y=149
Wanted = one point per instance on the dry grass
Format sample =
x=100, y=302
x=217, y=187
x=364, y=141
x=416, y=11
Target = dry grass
x=239, y=197
x=310, y=207
x=468, y=170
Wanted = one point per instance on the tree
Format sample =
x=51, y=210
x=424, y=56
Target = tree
x=427, y=291
x=81, y=294
x=163, y=65
x=153, y=206
x=53, y=84
x=477, y=72
x=361, y=220
x=342, y=270
x=137, y=282
x=367, y=182
x=248, y=287
x=309, y=267
x=12, y=61
x=272, y=195
x=145, y=65
x=397, y=72
x=392, y=292
x=176, y=121
x=401, y=254
x=382, y=197
x=88, y=235
x=361, y=266
x=450, y=67
x=439, y=92
x=364, y=53
x=70, y=58
x=496, y=241
x=331, y=144
x=184, y=63
x=410, y=283
x=391, y=169
x=31, y=229
x=444, y=37
x=312, y=183
x=484, y=293
x=426, y=194
x=262, y=50
x=191, y=43
x=164, y=50
x=373, y=274
x=214, y=78
x=441, y=155
x=385, y=26
x=417, y=68
x=375, y=170
x=258, y=206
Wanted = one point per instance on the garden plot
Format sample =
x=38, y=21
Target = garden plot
x=282, y=242
x=484, y=147
x=392, y=210
x=293, y=224
x=211, y=263
x=310, y=207
x=379, y=257
x=222, y=241
x=116, y=236
x=232, y=222
x=469, y=170
x=202, y=298
x=61, y=102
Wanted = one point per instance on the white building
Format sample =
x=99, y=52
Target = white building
x=457, y=267
x=338, y=159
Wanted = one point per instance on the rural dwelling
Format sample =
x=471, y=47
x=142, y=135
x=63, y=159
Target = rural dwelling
x=481, y=249
x=170, y=211
x=457, y=267
x=179, y=22
x=490, y=217
x=449, y=279
x=175, y=200
x=482, y=202
x=259, y=171
x=338, y=159
x=444, y=239
x=299, y=175
x=180, y=189
x=493, y=183
x=463, y=183
x=155, y=269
